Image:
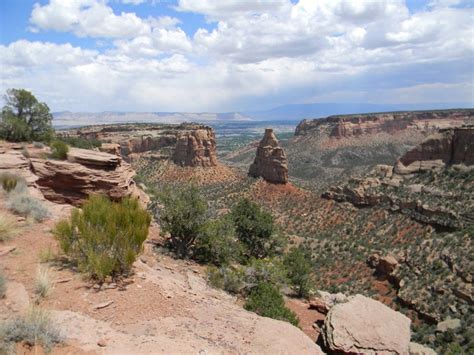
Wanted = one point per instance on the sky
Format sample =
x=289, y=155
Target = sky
x=236, y=55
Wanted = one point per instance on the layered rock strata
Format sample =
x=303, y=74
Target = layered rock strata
x=345, y=126
x=186, y=144
x=270, y=161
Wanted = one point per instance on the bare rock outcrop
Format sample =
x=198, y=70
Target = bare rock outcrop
x=186, y=144
x=270, y=162
x=196, y=148
x=446, y=147
x=365, y=326
x=344, y=126
x=85, y=173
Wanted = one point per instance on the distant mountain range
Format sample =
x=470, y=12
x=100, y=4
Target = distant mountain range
x=284, y=112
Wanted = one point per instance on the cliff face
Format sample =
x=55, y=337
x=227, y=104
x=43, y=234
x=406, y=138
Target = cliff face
x=270, y=161
x=356, y=125
x=196, y=148
x=185, y=144
x=447, y=147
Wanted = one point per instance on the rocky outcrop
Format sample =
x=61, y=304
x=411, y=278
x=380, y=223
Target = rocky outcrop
x=85, y=173
x=186, y=144
x=384, y=265
x=196, y=148
x=270, y=161
x=345, y=126
x=447, y=147
x=365, y=326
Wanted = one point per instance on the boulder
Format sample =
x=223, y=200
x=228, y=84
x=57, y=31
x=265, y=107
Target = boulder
x=111, y=148
x=384, y=265
x=13, y=162
x=448, y=324
x=270, y=161
x=85, y=173
x=196, y=148
x=365, y=326
x=418, y=349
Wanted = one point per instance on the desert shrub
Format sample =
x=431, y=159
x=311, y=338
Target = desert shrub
x=298, y=267
x=183, y=216
x=59, y=150
x=230, y=279
x=3, y=284
x=217, y=244
x=38, y=145
x=264, y=271
x=9, y=181
x=7, y=226
x=255, y=229
x=105, y=237
x=43, y=282
x=21, y=202
x=79, y=142
x=267, y=301
x=35, y=328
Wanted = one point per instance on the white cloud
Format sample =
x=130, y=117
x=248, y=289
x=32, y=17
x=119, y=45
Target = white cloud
x=260, y=50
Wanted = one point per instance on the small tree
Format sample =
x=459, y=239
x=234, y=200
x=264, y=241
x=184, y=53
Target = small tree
x=298, y=266
x=267, y=301
x=217, y=244
x=24, y=118
x=255, y=229
x=59, y=150
x=104, y=238
x=183, y=216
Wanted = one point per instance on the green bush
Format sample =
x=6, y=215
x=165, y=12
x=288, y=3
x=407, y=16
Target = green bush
x=3, y=284
x=255, y=229
x=9, y=181
x=298, y=266
x=267, y=301
x=230, y=279
x=217, y=244
x=59, y=150
x=20, y=201
x=35, y=328
x=183, y=216
x=264, y=271
x=104, y=238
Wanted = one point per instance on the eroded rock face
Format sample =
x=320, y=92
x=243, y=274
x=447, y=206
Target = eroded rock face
x=447, y=147
x=270, y=162
x=196, y=148
x=85, y=173
x=344, y=126
x=365, y=326
x=186, y=144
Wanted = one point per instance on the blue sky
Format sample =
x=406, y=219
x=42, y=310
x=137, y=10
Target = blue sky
x=236, y=55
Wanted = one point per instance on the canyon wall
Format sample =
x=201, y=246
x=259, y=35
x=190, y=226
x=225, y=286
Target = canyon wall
x=344, y=126
x=186, y=144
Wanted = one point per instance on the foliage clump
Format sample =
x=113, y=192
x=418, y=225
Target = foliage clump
x=35, y=328
x=255, y=228
x=59, y=150
x=105, y=237
x=24, y=118
x=298, y=267
x=267, y=301
x=20, y=201
x=7, y=226
x=79, y=142
x=183, y=216
x=9, y=181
